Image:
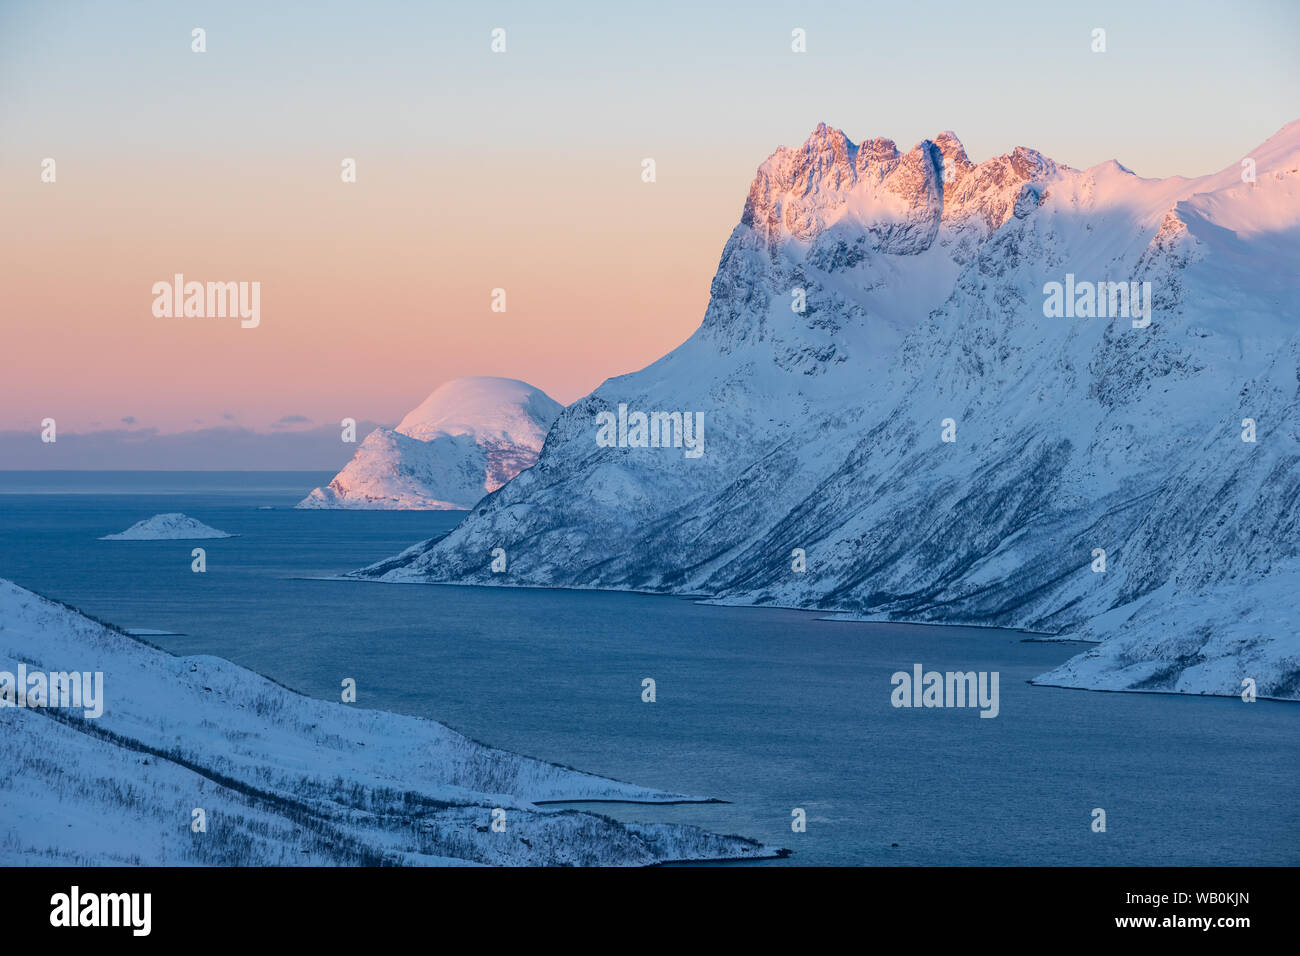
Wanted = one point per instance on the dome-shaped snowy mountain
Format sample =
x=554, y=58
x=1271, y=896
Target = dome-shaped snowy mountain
x=468, y=438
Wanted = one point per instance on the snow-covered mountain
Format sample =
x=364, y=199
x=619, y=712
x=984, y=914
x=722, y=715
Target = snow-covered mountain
x=281, y=779
x=927, y=283
x=469, y=437
x=172, y=526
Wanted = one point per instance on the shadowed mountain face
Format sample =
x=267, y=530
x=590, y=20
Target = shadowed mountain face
x=905, y=373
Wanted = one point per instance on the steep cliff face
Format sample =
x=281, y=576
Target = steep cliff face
x=871, y=304
x=469, y=437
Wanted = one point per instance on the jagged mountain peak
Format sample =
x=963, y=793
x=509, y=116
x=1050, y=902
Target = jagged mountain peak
x=950, y=147
x=869, y=299
x=799, y=193
x=829, y=135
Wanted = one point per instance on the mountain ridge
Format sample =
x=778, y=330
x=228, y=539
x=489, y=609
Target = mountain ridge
x=1071, y=434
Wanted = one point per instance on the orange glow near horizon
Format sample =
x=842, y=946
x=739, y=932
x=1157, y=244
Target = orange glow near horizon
x=372, y=293
x=518, y=170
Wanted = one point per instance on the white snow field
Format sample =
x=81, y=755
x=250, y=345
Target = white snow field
x=925, y=280
x=282, y=778
x=172, y=526
x=469, y=437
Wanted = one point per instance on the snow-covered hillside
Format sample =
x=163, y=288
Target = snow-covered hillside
x=281, y=778
x=926, y=282
x=469, y=437
x=172, y=526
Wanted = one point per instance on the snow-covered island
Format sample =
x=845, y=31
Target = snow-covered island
x=172, y=526
x=279, y=778
x=1006, y=393
x=468, y=438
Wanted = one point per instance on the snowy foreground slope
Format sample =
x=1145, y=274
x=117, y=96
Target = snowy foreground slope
x=926, y=284
x=469, y=437
x=172, y=526
x=283, y=779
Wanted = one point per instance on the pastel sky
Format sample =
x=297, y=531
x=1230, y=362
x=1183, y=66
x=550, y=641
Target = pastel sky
x=518, y=170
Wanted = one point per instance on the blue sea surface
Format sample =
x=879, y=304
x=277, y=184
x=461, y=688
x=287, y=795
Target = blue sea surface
x=768, y=709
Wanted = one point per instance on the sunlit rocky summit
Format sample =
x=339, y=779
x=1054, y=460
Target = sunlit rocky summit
x=889, y=390
x=468, y=438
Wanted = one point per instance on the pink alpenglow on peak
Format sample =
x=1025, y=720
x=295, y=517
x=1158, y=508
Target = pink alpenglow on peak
x=467, y=439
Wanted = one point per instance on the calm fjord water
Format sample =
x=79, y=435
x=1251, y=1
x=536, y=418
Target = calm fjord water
x=768, y=709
